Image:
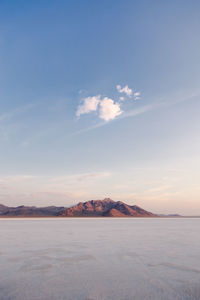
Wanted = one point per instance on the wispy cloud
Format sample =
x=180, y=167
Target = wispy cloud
x=95, y=126
x=8, y=123
x=137, y=95
x=81, y=177
x=30, y=189
x=171, y=101
x=131, y=113
x=128, y=93
x=125, y=90
x=17, y=111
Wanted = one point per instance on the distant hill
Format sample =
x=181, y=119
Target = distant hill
x=93, y=208
x=30, y=211
x=106, y=208
x=169, y=215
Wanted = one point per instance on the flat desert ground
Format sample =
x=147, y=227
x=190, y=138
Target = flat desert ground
x=99, y=258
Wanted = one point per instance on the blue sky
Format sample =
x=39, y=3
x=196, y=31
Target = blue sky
x=100, y=99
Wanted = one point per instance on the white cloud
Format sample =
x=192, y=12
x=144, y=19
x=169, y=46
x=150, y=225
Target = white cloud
x=126, y=90
x=89, y=104
x=109, y=110
x=106, y=107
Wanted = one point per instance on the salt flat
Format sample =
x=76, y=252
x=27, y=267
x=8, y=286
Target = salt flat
x=100, y=258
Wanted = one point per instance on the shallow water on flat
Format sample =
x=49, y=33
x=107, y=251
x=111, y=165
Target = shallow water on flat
x=96, y=259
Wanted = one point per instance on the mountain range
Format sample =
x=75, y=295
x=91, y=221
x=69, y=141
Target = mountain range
x=92, y=208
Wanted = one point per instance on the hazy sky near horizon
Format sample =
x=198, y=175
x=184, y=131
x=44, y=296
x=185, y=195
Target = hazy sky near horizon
x=100, y=99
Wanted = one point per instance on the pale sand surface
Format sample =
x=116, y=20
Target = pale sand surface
x=47, y=259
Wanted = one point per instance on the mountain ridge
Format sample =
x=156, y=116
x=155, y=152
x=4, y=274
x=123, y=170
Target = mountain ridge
x=93, y=208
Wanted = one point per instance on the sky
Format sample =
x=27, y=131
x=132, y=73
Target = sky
x=100, y=99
